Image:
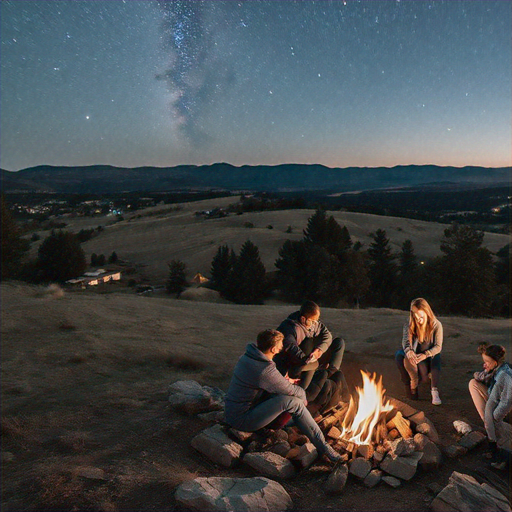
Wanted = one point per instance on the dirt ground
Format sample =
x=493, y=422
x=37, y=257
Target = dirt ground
x=86, y=424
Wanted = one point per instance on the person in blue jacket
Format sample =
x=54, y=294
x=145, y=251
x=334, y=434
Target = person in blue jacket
x=259, y=393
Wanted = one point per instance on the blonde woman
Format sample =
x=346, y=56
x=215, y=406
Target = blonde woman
x=422, y=343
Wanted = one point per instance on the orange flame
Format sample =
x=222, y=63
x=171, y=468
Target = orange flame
x=366, y=411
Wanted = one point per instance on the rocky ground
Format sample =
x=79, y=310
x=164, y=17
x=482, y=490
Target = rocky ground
x=86, y=421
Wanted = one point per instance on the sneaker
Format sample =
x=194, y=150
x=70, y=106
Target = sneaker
x=436, y=399
x=332, y=454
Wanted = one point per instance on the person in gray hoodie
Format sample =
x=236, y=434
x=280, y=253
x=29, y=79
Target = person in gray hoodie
x=308, y=345
x=259, y=393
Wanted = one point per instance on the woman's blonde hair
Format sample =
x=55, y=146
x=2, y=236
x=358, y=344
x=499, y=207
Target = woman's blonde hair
x=414, y=330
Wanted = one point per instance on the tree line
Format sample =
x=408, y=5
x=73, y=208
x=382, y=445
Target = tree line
x=327, y=267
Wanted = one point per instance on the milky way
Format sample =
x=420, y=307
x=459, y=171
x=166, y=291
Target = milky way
x=337, y=82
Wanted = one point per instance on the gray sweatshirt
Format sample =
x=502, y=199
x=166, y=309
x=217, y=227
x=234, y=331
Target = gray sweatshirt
x=429, y=348
x=255, y=373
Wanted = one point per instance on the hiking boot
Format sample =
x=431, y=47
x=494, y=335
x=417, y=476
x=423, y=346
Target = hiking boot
x=332, y=454
x=436, y=399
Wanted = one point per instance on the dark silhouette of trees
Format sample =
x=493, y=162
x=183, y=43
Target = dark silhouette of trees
x=221, y=266
x=322, y=266
x=60, y=257
x=113, y=257
x=409, y=276
x=466, y=278
x=382, y=271
x=14, y=248
x=246, y=283
x=177, y=281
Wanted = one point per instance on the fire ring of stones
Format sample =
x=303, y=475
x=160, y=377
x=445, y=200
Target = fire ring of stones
x=403, y=440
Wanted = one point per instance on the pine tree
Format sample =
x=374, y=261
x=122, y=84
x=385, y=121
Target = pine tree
x=60, y=257
x=409, y=285
x=502, y=267
x=222, y=264
x=382, y=270
x=316, y=230
x=466, y=272
x=14, y=248
x=246, y=282
x=113, y=257
x=177, y=280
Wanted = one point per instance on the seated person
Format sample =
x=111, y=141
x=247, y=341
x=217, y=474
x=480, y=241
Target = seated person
x=258, y=394
x=491, y=391
x=422, y=342
x=308, y=345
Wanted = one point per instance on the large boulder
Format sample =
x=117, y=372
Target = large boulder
x=217, y=446
x=257, y=494
x=192, y=398
x=463, y=493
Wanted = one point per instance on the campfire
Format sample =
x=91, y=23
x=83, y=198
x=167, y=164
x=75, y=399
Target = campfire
x=366, y=412
x=367, y=423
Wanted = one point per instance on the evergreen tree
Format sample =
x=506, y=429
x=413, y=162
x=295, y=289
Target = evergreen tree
x=466, y=280
x=94, y=260
x=60, y=257
x=101, y=260
x=293, y=277
x=113, y=257
x=222, y=264
x=246, y=282
x=409, y=277
x=316, y=230
x=382, y=271
x=177, y=280
x=356, y=281
x=14, y=248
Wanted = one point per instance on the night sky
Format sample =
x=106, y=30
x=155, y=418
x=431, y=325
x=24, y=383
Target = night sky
x=341, y=83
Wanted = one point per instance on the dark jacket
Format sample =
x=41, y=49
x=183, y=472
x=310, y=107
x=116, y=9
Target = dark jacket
x=255, y=374
x=294, y=334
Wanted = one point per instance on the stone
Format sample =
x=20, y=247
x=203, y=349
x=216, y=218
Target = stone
x=90, y=473
x=373, y=478
x=270, y=464
x=306, y=455
x=401, y=446
x=360, y=467
x=435, y=488
x=464, y=493
x=221, y=494
x=417, y=418
x=281, y=448
x=462, y=427
x=337, y=480
x=401, y=467
x=190, y=397
x=427, y=428
x=392, y=481
x=215, y=444
x=453, y=451
x=239, y=435
x=431, y=456
x=471, y=440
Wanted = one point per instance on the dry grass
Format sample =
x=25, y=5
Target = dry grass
x=85, y=376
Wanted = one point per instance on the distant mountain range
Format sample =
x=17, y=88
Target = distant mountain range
x=222, y=176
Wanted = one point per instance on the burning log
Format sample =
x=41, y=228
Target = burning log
x=365, y=450
x=401, y=424
x=334, y=433
x=335, y=416
x=381, y=432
